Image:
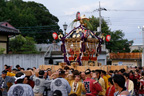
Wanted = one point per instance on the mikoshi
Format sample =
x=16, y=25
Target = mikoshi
x=81, y=46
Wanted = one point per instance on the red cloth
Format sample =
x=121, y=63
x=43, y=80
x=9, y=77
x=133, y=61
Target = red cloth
x=131, y=77
x=31, y=83
x=141, y=89
x=92, y=87
x=110, y=92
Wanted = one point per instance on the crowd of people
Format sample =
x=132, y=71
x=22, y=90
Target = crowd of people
x=70, y=82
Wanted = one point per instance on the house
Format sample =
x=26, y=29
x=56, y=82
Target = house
x=6, y=30
x=137, y=47
x=128, y=59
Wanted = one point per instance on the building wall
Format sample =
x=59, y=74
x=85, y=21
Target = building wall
x=3, y=42
x=125, y=62
x=102, y=59
x=24, y=60
x=3, y=38
x=136, y=47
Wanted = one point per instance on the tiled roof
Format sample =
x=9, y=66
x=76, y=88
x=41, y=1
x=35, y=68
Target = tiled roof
x=8, y=30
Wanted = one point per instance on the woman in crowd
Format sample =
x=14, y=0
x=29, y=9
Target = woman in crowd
x=77, y=87
x=129, y=83
x=111, y=90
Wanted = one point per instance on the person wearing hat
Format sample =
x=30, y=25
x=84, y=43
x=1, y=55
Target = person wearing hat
x=61, y=84
x=20, y=89
x=40, y=83
x=5, y=82
x=92, y=86
x=9, y=71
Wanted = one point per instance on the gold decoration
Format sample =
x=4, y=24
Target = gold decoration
x=78, y=35
x=60, y=36
x=74, y=36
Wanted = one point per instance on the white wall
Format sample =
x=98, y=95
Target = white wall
x=24, y=60
x=102, y=59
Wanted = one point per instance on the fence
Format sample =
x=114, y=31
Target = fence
x=24, y=60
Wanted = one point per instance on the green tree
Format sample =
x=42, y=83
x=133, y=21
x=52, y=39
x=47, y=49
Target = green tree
x=136, y=50
x=2, y=50
x=31, y=18
x=95, y=23
x=117, y=42
x=20, y=45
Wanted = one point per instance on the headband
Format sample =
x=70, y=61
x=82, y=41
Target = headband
x=21, y=77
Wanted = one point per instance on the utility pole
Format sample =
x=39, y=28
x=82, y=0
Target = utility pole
x=143, y=46
x=100, y=21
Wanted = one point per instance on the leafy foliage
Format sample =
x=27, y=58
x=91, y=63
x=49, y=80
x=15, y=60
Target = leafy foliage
x=33, y=19
x=2, y=50
x=117, y=42
x=26, y=45
x=136, y=50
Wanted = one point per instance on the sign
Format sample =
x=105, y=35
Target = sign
x=120, y=63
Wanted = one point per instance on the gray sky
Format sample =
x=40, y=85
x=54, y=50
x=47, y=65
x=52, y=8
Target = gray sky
x=124, y=15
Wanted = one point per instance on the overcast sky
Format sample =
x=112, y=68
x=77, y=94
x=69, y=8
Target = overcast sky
x=124, y=15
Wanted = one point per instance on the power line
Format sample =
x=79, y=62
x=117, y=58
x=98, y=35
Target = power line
x=124, y=10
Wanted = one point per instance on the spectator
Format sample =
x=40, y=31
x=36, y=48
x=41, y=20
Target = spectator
x=103, y=75
x=34, y=68
x=119, y=83
x=136, y=82
x=82, y=76
x=18, y=67
x=5, y=82
x=128, y=83
x=92, y=87
x=131, y=75
x=111, y=90
x=102, y=83
x=22, y=69
x=67, y=70
x=116, y=72
x=49, y=73
x=9, y=71
x=5, y=66
x=111, y=73
x=141, y=88
x=77, y=87
x=29, y=81
x=121, y=71
x=20, y=89
x=61, y=84
x=40, y=83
